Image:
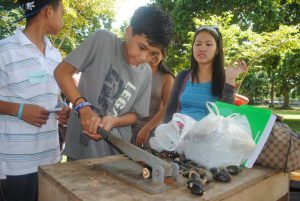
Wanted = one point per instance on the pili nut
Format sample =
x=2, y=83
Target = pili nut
x=222, y=168
x=222, y=176
x=177, y=159
x=194, y=174
x=146, y=173
x=233, y=169
x=197, y=190
x=204, y=180
x=192, y=163
x=196, y=187
x=213, y=170
x=173, y=155
x=190, y=182
x=181, y=157
x=185, y=173
x=209, y=176
x=201, y=171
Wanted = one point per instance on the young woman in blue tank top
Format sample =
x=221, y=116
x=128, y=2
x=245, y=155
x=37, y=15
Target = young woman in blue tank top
x=207, y=80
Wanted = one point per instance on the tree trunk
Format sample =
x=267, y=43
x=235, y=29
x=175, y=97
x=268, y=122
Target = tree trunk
x=272, y=91
x=286, y=98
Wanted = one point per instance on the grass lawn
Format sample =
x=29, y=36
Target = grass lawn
x=290, y=117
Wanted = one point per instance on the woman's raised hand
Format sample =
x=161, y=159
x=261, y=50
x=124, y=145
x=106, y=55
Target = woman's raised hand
x=232, y=72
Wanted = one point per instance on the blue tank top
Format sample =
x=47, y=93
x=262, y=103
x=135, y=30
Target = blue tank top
x=193, y=99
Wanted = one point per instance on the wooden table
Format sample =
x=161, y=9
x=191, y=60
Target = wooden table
x=82, y=180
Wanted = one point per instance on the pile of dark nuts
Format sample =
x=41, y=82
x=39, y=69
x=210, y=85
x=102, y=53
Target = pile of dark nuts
x=198, y=176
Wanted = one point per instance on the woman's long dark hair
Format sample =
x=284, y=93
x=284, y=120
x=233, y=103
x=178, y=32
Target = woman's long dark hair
x=163, y=68
x=218, y=72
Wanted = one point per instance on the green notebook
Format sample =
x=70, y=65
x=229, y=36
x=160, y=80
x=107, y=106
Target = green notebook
x=261, y=122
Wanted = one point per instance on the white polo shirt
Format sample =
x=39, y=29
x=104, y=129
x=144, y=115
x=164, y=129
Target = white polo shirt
x=26, y=76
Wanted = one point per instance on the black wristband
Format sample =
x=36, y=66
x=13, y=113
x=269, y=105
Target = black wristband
x=78, y=99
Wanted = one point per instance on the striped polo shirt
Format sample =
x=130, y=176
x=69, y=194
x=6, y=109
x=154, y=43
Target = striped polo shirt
x=26, y=76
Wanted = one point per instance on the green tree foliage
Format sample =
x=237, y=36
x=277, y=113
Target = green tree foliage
x=255, y=86
x=262, y=15
x=269, y=65
x=275, y=46
x=9, y=12
x=256, y=30
x=288, y=75
x=81, y=19
x=257, y=15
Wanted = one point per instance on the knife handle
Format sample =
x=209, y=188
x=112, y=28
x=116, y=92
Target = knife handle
x=103, y=132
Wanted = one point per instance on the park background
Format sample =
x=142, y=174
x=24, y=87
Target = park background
x=266, y=33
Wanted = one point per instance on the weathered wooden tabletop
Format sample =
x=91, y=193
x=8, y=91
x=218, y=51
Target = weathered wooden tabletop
x=83, y=180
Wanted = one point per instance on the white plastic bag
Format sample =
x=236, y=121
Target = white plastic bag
x=217, y=141
x=167, y=136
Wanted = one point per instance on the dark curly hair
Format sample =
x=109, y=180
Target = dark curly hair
x=154, y=23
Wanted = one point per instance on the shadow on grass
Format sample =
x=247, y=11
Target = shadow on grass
x=293, y=124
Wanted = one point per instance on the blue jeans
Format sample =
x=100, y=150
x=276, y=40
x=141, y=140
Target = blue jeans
x=19, y=188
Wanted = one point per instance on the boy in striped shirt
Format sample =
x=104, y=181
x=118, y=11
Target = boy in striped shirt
x=28, y=97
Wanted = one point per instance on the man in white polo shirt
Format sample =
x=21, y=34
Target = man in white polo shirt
x=28, y=97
